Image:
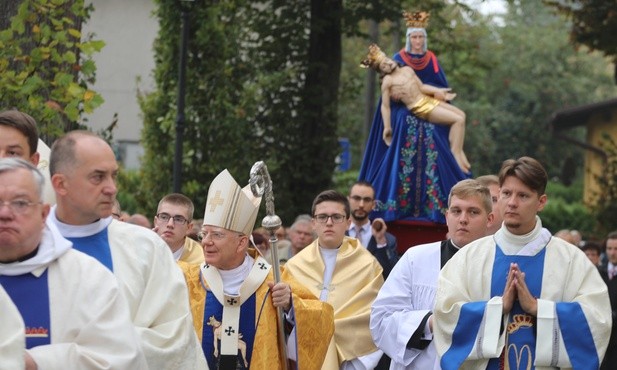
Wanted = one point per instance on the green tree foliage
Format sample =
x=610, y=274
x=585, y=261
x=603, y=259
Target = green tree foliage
x=534, y=72
x=565, y=210
x=594, y=24
x=262, y=84
x=220, y=131
x=46, y=64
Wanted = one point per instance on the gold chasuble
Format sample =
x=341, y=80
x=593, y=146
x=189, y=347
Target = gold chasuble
x=355, y=283
x=314, y=321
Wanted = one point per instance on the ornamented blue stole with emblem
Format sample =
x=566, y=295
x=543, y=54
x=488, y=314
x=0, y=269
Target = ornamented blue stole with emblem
x=227, y=340
x=213, y=317
x=96, y=246
x=520, y=348
x=30, y=294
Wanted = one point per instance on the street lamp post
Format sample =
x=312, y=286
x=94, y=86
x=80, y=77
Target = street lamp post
x=180, y=116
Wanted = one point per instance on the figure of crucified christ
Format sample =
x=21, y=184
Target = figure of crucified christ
x=425, y=101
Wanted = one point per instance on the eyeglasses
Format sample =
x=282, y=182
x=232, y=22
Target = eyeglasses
x=358, y=198
x=178, y=220
x=214, y=235
x=18, y=206
x=336, y=218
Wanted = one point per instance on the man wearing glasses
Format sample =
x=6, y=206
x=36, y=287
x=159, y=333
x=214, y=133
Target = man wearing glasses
x=173, y=222
x=338, y=270
x=372, y=236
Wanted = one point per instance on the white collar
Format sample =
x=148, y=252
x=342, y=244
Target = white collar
x=78, y=231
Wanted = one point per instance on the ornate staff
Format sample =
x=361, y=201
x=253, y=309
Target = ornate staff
x=261, y=186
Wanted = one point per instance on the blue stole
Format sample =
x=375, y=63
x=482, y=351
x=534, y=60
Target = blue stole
x=520, y=350
x=521, y=328
x=96, y=246
x=521, y=337
x=30, y=294
x=213, y=317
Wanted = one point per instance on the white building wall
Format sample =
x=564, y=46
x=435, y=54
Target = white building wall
x=128, y=29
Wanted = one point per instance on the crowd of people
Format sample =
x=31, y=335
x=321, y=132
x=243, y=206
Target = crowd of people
x=85, y=286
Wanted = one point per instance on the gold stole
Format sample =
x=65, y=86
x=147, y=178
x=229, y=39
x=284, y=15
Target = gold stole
x=355, y=283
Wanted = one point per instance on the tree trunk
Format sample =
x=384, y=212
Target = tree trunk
x=319, y=144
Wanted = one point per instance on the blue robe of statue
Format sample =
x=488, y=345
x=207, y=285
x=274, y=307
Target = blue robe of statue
x=413, y=177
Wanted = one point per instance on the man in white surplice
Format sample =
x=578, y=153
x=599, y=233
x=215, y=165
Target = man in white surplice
x=521, y=299
x=83, y=171
x=401, y=316
x=74, y=314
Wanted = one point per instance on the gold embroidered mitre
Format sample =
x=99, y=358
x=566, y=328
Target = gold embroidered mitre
x=416, y=19
x=374, y=57
x=229, y=206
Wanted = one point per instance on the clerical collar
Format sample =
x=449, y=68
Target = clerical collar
x=233, y=279
x=451, y=242
x=329, y=249
x=79, y=231
x=29, y=255
x=507, y=240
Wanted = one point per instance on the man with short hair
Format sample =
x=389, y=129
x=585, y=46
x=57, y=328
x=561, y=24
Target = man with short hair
x=74, y=313
x=592, y=251
x=173, y=222
x=19, y=137
x=301, y=234
x=84, y=169
x=521, y=299
x=401, y=316
x=342, y=273
x=611, y=255
x=373, y=236
x=492, y=183
x=234, y=299
x=12, y=335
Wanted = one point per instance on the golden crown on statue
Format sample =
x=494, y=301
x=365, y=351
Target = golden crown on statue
x=374, y=57
x=416, y=19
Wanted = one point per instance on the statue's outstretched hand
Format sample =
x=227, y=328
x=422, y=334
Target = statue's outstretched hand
x=387, y=136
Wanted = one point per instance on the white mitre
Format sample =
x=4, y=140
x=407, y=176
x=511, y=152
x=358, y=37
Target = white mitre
x=49, y=196
x=229, y=206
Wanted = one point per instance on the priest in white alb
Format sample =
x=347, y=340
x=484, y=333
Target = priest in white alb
x=83, y=171
x=521, y=299
x=74, y=313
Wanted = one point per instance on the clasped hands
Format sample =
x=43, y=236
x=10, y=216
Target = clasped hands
x=516, y=289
